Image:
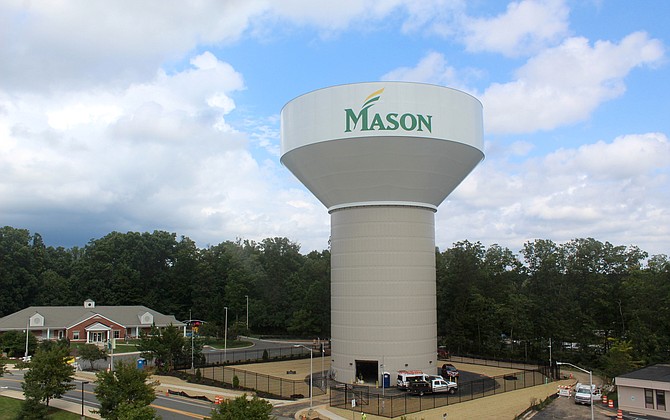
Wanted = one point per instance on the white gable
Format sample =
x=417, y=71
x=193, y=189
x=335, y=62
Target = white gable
x=36, y=320
x=146, y=318
x=98, y=327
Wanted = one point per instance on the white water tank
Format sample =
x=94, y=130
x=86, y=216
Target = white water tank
x=381, y=157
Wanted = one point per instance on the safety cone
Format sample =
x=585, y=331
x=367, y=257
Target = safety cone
x=619, y=415
x=604, y=399
x=610, y=404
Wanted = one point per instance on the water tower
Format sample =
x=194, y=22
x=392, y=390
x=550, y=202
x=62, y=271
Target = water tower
x=381, y=157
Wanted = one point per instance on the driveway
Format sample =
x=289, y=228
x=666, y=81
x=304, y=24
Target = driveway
x=565, y=408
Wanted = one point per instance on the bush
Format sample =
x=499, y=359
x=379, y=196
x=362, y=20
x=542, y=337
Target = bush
x=236, y=382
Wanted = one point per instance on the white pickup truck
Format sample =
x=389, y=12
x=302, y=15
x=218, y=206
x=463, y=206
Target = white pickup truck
x=433, y=384
x=584, y=394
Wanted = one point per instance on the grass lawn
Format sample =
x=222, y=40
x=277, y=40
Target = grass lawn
x=125, y=348
x=10, y=407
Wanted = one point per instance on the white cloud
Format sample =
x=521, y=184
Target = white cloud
x=332, y=16
x=432, y=68
x=565, y=84
x=525, y=27
x=66, y=44
x=156, y=152
x=613, y=191
x=111, y=118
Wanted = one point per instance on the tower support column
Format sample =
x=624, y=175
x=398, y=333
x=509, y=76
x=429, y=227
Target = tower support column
x=383, y=291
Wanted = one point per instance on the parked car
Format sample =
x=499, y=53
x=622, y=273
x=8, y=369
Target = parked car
x=433, y=384
x=449, y=371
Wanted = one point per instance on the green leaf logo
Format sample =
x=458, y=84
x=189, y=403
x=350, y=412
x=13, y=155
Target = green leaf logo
x=374, y=97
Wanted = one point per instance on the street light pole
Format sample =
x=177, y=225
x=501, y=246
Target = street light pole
x=83, y=417
x=590, y=381
x=551, y=371
x=311, y=371
x=27, y=332
x=225, y=337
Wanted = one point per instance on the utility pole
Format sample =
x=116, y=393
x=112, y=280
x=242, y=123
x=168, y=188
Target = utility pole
x=247, y=296
x=190, y=321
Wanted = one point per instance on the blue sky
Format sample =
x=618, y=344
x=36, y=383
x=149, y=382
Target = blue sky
x=161, y=115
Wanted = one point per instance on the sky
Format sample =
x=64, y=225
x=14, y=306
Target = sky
x=165, y=115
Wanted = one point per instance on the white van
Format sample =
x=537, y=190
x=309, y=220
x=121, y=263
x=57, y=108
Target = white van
x=407, y=376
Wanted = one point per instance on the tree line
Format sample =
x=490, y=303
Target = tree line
x=585, y=297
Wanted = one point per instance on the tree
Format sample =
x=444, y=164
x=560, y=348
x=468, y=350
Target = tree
x=31, y=409
x=91, y=353
x=127, y=411
x=49, y=375
x=3, y=367
x=168, y=347
x=14, y=343
x=243, y=408
x=18, y=269
x=618, y=359
x=125, y=389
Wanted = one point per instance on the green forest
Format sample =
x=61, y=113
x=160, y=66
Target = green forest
x=595, y=301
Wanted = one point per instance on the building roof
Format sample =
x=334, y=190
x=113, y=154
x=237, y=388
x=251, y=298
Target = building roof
x=62, y=317
x=659, y=373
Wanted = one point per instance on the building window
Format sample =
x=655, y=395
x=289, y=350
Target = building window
x=117, y=334
x=649, y=398
x=660, y=400
x=75, y=335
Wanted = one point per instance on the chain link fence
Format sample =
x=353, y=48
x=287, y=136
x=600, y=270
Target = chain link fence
x=218, y=372
x=369, y=400
x=224, y=376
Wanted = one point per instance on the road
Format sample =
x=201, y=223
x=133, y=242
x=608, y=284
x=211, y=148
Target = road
x=169, y=408
x=173, y=407
x=254, y=352
x=565, y=408
x=221, y=356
